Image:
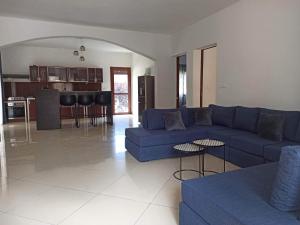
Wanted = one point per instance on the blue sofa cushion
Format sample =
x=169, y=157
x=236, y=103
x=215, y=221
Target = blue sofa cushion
x=236, y=198
x=144, y=138
x=189, y=116
x=203, y=117
x=188, y=217
x=286, y=188
x=297, y=137
x=222, y=115
x=145, y=119
x=292, y=119
x=272, y=152
x=155, y=118
x=270, y=126
x=173, y=121
x=250, y=143
x=225, y=134
x=291, y=125
x=246, y=118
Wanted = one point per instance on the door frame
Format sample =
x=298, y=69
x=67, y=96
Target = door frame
x=177, y=76
x=127, y=70
x=177, y=81
x=202, y=70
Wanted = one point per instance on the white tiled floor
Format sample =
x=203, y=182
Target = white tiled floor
x=84, y=177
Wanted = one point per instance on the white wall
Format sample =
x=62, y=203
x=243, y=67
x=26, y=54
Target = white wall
x=194, y=79
x=258, y=52
x=139, y=66
x=209, y=76
x=17, y=59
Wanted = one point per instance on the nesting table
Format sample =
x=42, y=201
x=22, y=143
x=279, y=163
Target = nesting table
x=201, y=147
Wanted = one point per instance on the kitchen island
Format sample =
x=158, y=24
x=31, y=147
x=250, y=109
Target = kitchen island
x=98, y=109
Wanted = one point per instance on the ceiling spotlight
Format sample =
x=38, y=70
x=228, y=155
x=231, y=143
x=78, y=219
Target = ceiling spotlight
x=82, y=59
x=82, y=48
x=76, y=53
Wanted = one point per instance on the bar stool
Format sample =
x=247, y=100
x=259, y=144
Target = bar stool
x=86, y=101
x=70, y=101
x=100, y=101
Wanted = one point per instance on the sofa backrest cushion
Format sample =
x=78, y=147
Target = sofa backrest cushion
x=222, y=115
x=246, y=118
x=291, y=123
x=173, y=121
x=286, y=187
x=297, y=138
x=203, y=117
x=189, y=116
x=154, y=119
x=270, y=126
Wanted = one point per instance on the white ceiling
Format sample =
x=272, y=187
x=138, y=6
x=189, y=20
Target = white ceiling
x=162, y=16
x=75, y=43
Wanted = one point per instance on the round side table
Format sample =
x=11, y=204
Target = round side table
x=208, y=144
x=188, y=148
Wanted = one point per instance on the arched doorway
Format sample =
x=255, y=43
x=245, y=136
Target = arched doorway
x=40, y=41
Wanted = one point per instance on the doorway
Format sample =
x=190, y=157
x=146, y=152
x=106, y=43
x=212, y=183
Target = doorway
x=120, y=78
x=181, y=81
x=208, y=76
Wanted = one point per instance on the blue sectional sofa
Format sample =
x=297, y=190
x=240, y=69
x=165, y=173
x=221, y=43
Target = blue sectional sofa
x=234, y=198
x=236, y=126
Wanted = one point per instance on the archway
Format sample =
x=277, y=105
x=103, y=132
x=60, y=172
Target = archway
x=134, y=96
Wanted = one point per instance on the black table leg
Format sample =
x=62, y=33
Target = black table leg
x=200, y=165
x=224, y=169
x=76, y=116
x=203, y=167
x=180, y=168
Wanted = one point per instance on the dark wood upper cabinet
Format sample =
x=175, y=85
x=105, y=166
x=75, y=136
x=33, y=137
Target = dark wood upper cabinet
x=43, y=71
x=57, y=74
x=95, y=75
x=73, y=74
x=64, y=74
x=99, y=75
x=82, y=75
x=34, y=73
x=91, y=75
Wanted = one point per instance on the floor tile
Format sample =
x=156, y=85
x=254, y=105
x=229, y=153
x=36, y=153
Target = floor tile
x=159, y=215
x=85, y=176
x=15, y=192
x=107, y=210
x=52, y=206
x=170, y=194
x=93, y=181
x=142, y=183
x=6, y=219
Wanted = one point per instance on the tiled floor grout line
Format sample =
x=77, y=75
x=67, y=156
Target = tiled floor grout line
x=124, y=198
x=151, y=203
x=76, y=210
x=142, y=214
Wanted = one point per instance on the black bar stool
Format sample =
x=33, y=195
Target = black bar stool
x=86, y=101
x=70, y=101
x=100, y=101
x=104, y=99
